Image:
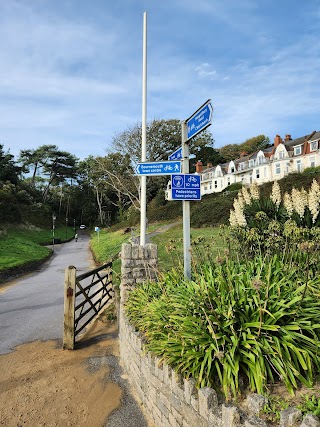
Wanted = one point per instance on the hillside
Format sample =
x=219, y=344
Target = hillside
x=214, y=209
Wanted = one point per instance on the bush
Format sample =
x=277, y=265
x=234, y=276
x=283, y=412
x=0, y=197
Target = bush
x=256, y=321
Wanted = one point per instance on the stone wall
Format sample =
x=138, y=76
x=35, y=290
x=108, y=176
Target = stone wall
x=168, y=399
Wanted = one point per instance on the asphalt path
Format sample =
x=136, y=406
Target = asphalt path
x=31, y=307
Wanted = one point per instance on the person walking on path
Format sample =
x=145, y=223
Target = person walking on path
x=76, y=237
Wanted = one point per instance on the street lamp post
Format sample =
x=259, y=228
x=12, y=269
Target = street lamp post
x=66, y=228
x=53, y=224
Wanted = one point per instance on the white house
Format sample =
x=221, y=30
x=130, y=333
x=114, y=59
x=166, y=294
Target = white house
x=284, y=157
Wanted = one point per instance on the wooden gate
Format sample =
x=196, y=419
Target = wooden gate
x=84, y=297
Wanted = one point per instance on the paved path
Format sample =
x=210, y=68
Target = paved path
x=31, y=308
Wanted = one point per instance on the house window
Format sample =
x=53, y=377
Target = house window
x=251, y=163
x=312, y=162
x=232, y=169
x=288, y=167
x=313, y=145
x=299, y=165
x=210, y=187
x=229, y=181
x=281, y=155
x=241, y=166
x=257, y=173
x=278, y=168
x=205, y=188
x=298, y=150
x=215, y=184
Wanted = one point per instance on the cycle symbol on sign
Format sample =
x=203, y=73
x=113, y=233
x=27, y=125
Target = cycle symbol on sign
x=192, y=179
x=178, y=181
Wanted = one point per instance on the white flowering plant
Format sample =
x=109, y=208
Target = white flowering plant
x=258, y=225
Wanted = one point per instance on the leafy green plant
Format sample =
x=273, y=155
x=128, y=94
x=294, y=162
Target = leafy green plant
x=256, y=320
x=311, y=404
x=273, y=408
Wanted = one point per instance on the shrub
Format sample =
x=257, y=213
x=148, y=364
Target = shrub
x=257, y=321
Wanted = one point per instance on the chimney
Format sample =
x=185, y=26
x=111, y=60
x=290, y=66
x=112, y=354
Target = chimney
x=199, y=167
x=287, y=138
x=209, y=165
x=277, y=141
x=243, y=154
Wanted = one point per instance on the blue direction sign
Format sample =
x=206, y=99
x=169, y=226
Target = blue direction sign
x=176, y=155
x=186, y=187
x=199, y=120
x=158, y=168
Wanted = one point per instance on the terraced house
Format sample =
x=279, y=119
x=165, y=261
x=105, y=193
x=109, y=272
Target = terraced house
x=285, y=156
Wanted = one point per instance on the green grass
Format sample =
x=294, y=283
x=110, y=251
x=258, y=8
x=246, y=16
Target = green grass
x=170, y=245
x=19, y=247
x=106, y=245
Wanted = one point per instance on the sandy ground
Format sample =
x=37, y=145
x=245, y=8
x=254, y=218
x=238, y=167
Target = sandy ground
x=43, y=385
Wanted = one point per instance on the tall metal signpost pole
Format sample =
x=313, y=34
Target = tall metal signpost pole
x=186, y=205
x=195, y=124
x=143, y=179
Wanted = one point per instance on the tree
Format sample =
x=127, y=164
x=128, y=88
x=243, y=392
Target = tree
x=60, y=166
x=249, y=146
x=230, y=151
x=116, y=173
x=163, y=138
x=206, y=155
x=9, y=171
x=37, y=159
x=255, y=143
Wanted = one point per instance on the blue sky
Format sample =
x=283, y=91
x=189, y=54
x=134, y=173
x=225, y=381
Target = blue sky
x=71, y=70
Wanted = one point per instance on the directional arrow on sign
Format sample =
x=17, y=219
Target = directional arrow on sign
x=158, y=168
x=200, y=120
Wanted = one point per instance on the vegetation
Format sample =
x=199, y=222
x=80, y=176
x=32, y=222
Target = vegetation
x=19, y=247
x=249, y=317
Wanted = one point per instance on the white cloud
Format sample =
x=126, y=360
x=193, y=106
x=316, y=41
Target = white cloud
x=205, y=71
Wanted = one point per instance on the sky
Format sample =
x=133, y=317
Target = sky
x=71, y=70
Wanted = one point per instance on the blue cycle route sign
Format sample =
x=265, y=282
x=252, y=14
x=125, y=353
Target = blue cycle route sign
x=176, y=155
x=186, y=187
x=158, y=168
x=200, y=120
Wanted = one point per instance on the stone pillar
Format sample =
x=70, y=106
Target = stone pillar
x=138, y=264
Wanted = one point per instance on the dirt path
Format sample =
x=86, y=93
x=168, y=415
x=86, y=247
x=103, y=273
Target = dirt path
x=43, y=385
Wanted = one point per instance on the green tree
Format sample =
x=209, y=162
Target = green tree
x=163, y=138
x=9, y=171
x=36, y=159
x=249, y=146
x=60, y=166
x=255, y=143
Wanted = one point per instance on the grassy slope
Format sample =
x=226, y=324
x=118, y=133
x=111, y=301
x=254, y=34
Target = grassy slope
x=20, y=246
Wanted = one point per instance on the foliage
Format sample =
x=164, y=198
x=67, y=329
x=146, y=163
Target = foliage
x=256, y=320
x=20, y=246
x=275, y=405
x=163, y=136
x=9, y=171
x=249, y=146
x=277, y=223
x=310, y=405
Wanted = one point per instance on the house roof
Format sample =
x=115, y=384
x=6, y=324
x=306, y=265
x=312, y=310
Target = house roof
x=315, y=136
x=302, y=139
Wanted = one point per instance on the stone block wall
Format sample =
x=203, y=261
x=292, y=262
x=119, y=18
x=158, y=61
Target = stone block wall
x=138, y=264
x=168, y=399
